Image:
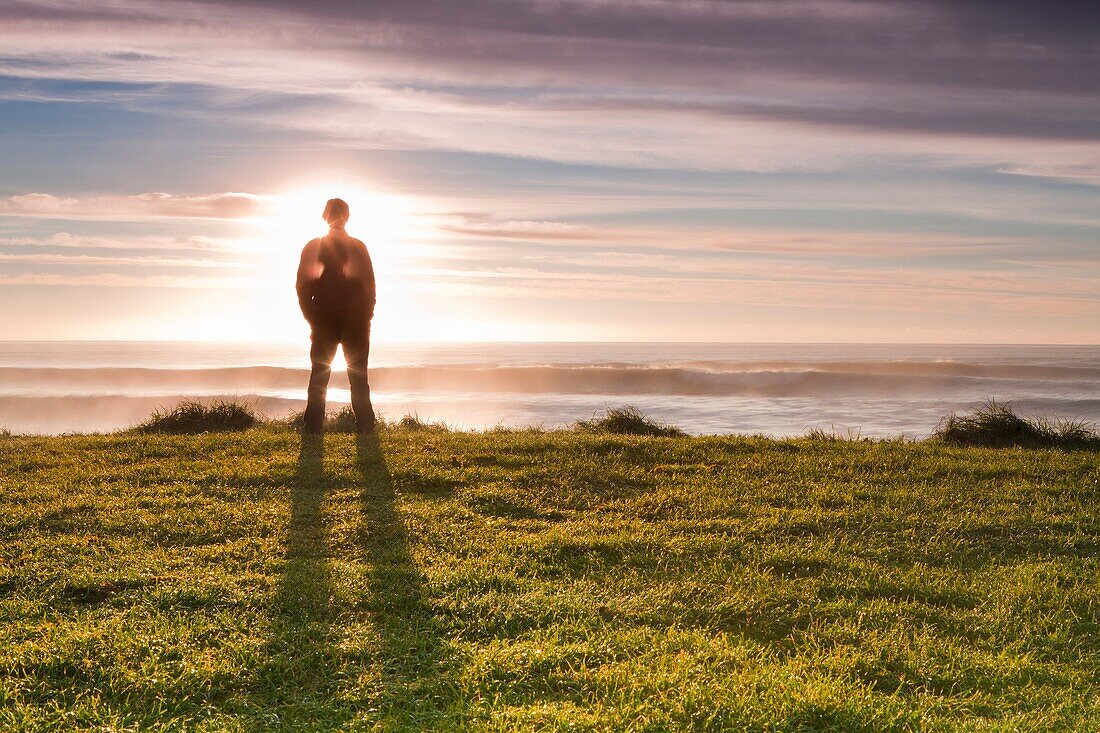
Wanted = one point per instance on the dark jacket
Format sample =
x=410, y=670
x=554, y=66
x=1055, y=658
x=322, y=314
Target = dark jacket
x=336, y=274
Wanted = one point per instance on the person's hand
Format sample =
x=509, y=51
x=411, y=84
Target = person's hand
x=308, y=311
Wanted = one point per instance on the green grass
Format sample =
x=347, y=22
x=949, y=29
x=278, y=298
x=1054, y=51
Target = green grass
x=435, y=580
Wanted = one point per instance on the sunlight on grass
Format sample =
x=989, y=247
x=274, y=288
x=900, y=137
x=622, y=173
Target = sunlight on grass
x=525, y=580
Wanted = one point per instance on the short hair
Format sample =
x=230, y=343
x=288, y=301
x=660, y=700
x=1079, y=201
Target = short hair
x=336, y=210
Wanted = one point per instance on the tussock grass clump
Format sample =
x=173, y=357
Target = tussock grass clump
x=413, y=422
x=341, y=421
x=193, y=417
x=820, y=435
x=996, y=425
x=628, y=420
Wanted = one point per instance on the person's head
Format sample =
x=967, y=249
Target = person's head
x=336, y=212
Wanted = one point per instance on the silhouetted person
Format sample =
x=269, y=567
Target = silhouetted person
x=336, y=292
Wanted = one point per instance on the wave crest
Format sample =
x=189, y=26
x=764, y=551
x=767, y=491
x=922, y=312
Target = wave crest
x=772, y=379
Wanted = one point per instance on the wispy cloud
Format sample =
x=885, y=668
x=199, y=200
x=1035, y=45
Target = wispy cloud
x=121, y=280
x=801, y=287
x=649, y=83
x=208, y=246
x=137, y=207
x=83, y=260
x=778, y=240
x=486, y=226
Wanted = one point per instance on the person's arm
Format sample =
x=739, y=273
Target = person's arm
x=369, y=288
x=308, y=272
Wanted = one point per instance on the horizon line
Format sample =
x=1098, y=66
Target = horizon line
x=558, y=343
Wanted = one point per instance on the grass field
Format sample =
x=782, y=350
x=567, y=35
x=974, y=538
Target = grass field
x=545, y=581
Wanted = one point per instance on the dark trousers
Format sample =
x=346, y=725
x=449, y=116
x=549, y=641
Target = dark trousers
x=352, y=331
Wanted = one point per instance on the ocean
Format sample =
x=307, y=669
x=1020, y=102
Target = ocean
x=872, y=390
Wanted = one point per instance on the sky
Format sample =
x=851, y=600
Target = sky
x=556, y=170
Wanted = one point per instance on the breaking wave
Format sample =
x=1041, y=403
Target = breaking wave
x=702, y=378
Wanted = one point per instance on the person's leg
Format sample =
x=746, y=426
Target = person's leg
x=324, y=339
x=356, y=340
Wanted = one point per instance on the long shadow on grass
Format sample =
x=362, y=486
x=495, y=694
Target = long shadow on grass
x=294, y=686
x=418, y=686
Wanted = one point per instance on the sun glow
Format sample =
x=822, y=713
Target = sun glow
x=389, y=224
x=384, y=221
x=402, y=235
